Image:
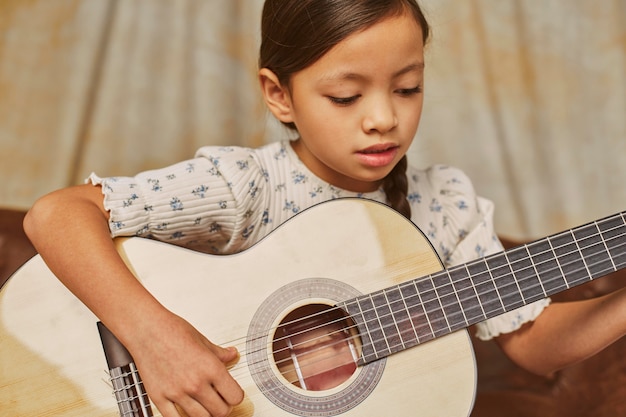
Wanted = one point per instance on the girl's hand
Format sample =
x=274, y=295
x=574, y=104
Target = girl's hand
x=181, y=369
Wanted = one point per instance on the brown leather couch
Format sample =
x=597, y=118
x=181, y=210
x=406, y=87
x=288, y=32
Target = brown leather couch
x=593, y=388
x=15, y=248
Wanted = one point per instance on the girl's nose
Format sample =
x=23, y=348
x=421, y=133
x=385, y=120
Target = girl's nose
x=380, y=117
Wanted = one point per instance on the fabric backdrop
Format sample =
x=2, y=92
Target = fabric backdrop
x=527, y=96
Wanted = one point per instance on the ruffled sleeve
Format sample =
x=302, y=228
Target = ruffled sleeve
x=202, y=203
x=467, y=232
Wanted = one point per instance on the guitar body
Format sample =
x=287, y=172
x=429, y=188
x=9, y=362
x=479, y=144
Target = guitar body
x=52, y=361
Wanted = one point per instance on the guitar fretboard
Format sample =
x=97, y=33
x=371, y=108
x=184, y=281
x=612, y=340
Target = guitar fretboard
x=414, y=312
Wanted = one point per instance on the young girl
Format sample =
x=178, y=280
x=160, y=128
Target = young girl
x=348, y=76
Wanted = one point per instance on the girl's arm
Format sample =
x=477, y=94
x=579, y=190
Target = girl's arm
x=69, y=228
x=567, y=333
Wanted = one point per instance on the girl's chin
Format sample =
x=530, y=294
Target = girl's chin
x=362, y=184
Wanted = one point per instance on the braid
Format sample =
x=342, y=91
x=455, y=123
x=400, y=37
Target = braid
x=396, y=187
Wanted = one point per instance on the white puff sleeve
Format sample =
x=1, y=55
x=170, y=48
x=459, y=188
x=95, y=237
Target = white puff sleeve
x=466, y=232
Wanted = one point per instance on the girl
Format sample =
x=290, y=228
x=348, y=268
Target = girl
x=347, y=76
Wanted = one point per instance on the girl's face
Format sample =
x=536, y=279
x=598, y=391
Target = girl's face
x=358, y=107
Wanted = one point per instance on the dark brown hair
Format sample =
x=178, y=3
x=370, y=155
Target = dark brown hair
x=296, y=33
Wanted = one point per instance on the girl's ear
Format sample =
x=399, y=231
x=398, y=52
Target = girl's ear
x=276, y=96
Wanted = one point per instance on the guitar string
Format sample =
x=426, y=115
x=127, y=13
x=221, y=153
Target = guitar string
x=594, y=245
x=482, y=260
x=517, y=271
x=128, y=404
x=242, y=364
x=430, y=336
x=495, y=279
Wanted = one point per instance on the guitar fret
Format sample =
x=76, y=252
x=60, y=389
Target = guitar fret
x=568, y=258
x=613, y=230
x=592, y=249
x=490, y=300
x=419, y=319
x=505, y=282
x=606, y=247
x=354, y=309
x=410, y=320
x=388, y=327
x=540, y=257
x=401, y=319
x=524, y=270
x=451, y=300
x=432, y=306
x=131, y=398
x=583, y=277
x=372, y=322
x=510, y=273
x=554, y=275
x=468, y=295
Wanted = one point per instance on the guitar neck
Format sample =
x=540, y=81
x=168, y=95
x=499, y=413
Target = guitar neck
x=419, y=310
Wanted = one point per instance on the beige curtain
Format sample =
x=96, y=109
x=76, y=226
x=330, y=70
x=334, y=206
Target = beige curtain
x=120, y=86
x=528, y=97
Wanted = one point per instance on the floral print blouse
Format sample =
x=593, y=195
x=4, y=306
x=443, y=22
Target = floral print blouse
x=227, y=198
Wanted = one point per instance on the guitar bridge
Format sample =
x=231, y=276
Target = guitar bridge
x=132, y=400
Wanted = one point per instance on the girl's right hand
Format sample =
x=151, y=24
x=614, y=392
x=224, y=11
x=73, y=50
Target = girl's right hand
x=182, y=369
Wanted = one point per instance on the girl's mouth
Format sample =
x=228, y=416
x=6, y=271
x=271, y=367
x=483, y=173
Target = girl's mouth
x=378, y=156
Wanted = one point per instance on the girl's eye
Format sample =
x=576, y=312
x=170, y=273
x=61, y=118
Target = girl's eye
x=410, y=91
x=343, y=101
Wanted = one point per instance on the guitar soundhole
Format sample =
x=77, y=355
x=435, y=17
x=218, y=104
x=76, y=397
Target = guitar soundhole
x=316, y=348
x=311, y=370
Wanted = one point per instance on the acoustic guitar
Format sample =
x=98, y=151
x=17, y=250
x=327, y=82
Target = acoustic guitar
x=343, y=310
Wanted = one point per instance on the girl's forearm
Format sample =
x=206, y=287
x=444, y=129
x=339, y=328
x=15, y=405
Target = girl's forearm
x=567, y=333
x=69, y=228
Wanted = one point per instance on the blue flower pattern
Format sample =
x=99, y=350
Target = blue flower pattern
x=291, y=207
x=228, y=198
x=176, y=204
x=441, y=203
x=156, y=185
x=200, y=191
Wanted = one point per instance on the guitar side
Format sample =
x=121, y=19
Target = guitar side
x=51, y=359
